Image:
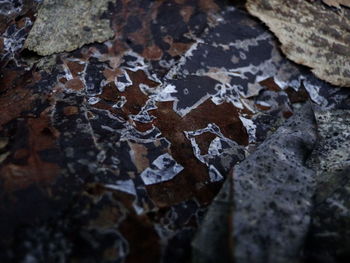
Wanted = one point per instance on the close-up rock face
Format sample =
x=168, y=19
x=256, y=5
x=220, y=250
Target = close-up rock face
x=68, y=25
x=311, y=34
x=174, y=131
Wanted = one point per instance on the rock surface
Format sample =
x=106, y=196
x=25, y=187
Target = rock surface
x=65, y=25
x=328, y=239
x=272, y=191
x=114, y=151
x=266, y=202
x=311, y=34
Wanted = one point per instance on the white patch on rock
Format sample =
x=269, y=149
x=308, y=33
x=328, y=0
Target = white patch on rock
x=250, y=127
x=126, y=186
x=165, y=94
x=163, y=169
x=214, y=174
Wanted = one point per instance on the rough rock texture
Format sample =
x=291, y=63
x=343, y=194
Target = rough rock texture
x=337, y=3
x=266, y=203
x=272, y=192
x=329, y=235
x=332, y=152
x=311, y=34
x=65, y=25
x=185, y=87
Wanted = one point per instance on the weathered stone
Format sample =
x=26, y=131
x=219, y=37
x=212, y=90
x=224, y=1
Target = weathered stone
x=196, y=81
x=264, y=213
x=65, y=25
x=311, y=34
x=329, y=233
x=272, y=191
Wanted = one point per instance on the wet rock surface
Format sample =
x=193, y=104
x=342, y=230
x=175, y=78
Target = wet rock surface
x=113, y=152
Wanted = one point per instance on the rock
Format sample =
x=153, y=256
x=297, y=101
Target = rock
x=213, y=243
x=79, y=129
x=264, y=214
x=329, y=240
x=311, y=34
x=67, y=25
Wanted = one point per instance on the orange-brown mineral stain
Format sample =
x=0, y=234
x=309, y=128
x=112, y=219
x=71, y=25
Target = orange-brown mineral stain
x=75, y=84
x=192, y=180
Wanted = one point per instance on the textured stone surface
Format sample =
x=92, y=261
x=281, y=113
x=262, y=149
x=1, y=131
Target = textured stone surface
x=272, y=192
x=193, y=84
x=337, y=3
x=266, y=202
x=311, y=34
x=329, y=234
x=65, y=25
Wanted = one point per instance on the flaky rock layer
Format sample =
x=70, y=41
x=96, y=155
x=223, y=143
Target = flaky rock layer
x=311, y=34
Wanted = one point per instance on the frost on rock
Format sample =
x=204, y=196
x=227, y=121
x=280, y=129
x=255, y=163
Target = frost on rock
x=118, y=148
x=14, y=38
x=222, y=151
x=65, y=25
x=126, y=186
x=163, y=169
x=9, y=7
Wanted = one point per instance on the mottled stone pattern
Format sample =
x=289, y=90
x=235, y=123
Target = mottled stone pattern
x=331, y=214
x=311, y=34
x=331, y=154
x=65, y=25
x=270, y=184
x=112, y=152
x=337, y=3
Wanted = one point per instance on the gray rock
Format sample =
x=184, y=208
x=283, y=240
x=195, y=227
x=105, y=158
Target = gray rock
x=272, y=194
x=329, y=239
x=264, y=214
x=65, y=25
